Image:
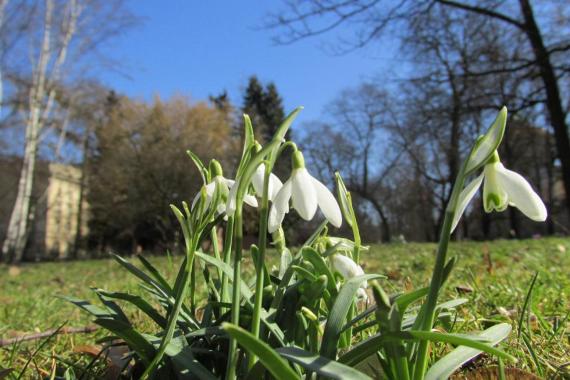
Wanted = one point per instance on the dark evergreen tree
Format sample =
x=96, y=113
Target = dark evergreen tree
x=253, y=105
x=265, y=108
x=272, y=111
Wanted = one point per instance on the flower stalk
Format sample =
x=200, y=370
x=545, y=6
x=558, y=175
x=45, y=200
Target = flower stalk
x=438, y=274
x=259, y=265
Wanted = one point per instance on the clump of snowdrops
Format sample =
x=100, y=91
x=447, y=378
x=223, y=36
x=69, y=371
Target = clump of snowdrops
x=316, y=316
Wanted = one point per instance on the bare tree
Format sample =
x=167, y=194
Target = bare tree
x=57, y=29
x=358, y=118
x=543, y=63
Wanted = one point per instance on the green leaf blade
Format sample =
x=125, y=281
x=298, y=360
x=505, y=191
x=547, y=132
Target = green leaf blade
x=274, y=363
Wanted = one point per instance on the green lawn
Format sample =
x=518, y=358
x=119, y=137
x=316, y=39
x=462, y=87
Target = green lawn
x=493, y=276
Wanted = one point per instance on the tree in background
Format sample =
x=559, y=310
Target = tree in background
x=137, y=167
x=537, y=52
x=265, y=107
x=362, y=151
x=59, y=35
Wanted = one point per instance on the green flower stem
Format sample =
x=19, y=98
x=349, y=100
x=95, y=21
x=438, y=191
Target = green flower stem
x=193, y=288
x=356, y=258
x=236, y=293
x=173, y=316
x=215, y=246
x=438, y=272
x=227, y=250
x=259, y=266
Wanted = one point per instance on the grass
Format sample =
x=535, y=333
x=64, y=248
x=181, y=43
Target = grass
x=494, y=277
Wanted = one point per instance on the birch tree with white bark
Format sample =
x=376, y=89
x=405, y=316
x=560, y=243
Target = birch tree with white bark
x=61, y=34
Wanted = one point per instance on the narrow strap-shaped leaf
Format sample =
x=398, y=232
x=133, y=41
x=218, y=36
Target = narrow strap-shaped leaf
x=448, y=364
x=112, y=306
x=451, y=304
x=199, y=165
x=406, y=299
x=154, y=272
x=320, y=267
x=136, y=341
x=140, y=274
x=94, y=310
x=338, y=313
x=140, y=303
x=458, y=340
x=248, y=141
x=282, y=132
x=228, y=271
x=323, y=366
x=187, y=367
x=274, y=363
x=362, y=350
x=206, y=331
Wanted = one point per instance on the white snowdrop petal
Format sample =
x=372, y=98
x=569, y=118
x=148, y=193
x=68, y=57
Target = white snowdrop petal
x=327, y=203
x=521, y=194
x=228, y=182
x=281, y=200
x=231, y=203
x=250, y=200
x=275, y=185
x=286, y=259
x=279, y=207
x=275, y=219
x=464, y=198
x=257, y=179
x=210, y=189
x=195, y=200
x=303, y=195
x=346, y=266
x=361, y=294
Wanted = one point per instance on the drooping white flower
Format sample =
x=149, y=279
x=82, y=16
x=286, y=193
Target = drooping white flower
x=225, y=187
x=502, y=188
x=306, y=194
x=274, y=184
x=349, y=269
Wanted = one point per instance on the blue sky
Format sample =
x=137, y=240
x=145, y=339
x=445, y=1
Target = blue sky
x=198, y=48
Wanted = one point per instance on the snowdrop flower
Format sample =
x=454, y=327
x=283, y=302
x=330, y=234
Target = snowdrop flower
x=349, y=269
x=224, y=185
x=274, y=184
x=306, y=194
x=501, y=188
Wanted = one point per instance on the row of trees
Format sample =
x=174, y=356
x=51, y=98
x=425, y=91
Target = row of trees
x=397, y=144
x=401, y=147
x=136, y=163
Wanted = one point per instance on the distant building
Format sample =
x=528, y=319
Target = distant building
x=55, y=200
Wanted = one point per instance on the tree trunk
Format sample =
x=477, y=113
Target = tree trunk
x=553, y=98
x=40, y=104
x=386, y=233
x=17, y=233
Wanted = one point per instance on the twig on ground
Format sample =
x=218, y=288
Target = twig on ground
x=47, y=333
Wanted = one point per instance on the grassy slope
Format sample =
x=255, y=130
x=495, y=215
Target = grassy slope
x=499, y=274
